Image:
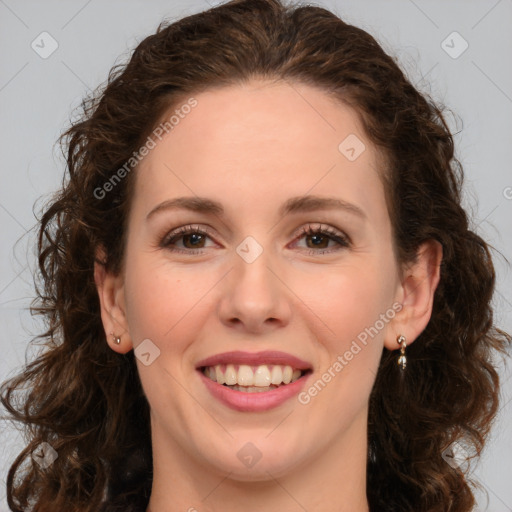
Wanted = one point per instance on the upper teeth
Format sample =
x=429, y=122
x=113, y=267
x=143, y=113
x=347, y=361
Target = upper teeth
x=244, y=375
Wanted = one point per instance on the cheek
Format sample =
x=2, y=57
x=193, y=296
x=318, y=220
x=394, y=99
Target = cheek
x=161, y=299
x=346, y=300
x=346, y=306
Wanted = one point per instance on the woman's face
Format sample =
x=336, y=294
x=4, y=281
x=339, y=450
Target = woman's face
x=322, y=303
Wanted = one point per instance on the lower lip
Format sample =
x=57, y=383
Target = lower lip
x=257, y=401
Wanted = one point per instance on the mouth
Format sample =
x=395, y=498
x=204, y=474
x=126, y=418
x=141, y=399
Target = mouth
x=254, y=381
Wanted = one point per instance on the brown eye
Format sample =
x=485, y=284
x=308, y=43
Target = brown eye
x=192, y=239
x=318, y=239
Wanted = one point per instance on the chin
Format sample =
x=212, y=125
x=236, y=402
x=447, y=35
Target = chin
x=257, y=461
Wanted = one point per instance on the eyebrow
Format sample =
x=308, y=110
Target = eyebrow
x=297, y=204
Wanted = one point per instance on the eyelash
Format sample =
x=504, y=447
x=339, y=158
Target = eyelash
x=337, y=236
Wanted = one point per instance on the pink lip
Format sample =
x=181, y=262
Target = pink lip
x=253, y=402
x=255, y=359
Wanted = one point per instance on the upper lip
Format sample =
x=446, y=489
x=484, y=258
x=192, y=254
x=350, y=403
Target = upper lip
x=255, y=359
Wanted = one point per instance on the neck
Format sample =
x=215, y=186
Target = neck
x=333, y=480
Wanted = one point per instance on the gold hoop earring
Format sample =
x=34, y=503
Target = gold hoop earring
x=402, y=360
x=117, y=339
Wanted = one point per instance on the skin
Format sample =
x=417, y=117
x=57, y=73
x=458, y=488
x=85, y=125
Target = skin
x=251, y=148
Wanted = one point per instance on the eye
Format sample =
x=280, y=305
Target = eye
x=193, y=239
x=320, y=238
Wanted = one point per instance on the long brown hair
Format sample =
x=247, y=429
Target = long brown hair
x=86, y=400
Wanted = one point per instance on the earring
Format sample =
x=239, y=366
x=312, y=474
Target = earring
x=402, y=360
x=117, y=339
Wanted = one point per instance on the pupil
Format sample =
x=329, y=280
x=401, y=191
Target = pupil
x=318, y=239
x=197, y=239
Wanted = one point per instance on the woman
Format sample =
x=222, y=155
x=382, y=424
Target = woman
x=260, y=285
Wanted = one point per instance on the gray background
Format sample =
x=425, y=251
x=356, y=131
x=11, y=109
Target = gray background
x=38, y=97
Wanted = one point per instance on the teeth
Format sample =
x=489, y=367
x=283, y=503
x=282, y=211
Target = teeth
x=262, y=377
x=230, y=375
x=287, y=374
x=277, y=375
x=252, y=389
x=245, y=376
x=219, y=376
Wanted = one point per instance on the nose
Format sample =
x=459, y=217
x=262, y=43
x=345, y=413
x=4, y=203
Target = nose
x=255, y=297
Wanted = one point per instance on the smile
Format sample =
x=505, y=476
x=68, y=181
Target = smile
x=253, y=382
x=252, y=379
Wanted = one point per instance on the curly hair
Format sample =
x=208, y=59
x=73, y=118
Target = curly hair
x=87, y=401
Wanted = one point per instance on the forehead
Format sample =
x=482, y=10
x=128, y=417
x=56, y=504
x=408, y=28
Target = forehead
x=262, y=142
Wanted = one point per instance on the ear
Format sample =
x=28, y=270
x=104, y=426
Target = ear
x=416, y=294
x=112, y=303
